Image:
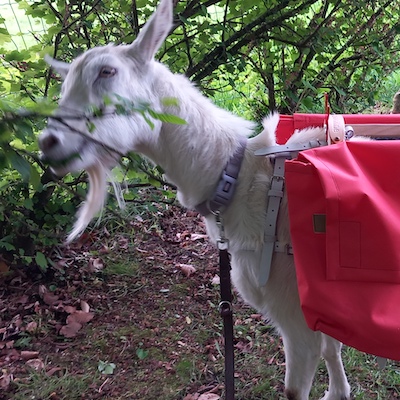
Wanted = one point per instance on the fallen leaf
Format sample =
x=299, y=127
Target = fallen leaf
x=29, y=355
x=4, y=268
x=104, y=249
x=244, y=347
x=53, y=370
x=31, y=327
x=123, y=243
x=61, y=264
x=197, y=236
x=16, y=281
x=139, y=218
x=5, y=380
x=209, y=396
x=37, y=364
x=69, y=309
x=70, y=330
x=12, y=355
x=50, y=298
x=80, y=316
x=85, y=306
x=184, y=235
x=42, y=290
x=186, y=269
x=23, y=299
x=191, y=396
x=95, y=265
x=17, y=321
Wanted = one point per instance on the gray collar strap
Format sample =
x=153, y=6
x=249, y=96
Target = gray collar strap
x=275, y=194
x=226, y=187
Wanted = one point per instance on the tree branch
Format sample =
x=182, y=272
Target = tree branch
x=252, y=31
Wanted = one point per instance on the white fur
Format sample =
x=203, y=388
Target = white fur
x=193, y=156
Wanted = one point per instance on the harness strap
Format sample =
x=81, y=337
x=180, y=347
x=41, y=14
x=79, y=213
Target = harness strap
x=275, y=194
x=295, y=147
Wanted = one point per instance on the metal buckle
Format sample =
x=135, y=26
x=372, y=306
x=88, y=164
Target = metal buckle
x=225, y=189
x=222, y=241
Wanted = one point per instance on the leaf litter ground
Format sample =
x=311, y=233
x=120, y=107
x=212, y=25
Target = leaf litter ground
x=134, y=315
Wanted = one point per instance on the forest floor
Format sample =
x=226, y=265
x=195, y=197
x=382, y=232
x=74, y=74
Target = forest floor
x=134, y=315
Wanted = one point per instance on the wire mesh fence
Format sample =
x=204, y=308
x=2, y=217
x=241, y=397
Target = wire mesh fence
x=23, y=29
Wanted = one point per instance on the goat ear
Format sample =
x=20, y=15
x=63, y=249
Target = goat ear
x=59, y=66
x=153, y=34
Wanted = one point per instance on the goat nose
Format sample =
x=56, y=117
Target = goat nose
x=47, y=142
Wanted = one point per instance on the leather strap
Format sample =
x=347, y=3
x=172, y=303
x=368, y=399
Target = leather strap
x=225, y=309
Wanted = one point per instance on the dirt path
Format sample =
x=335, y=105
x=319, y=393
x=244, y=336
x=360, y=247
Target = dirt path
x=128, y=316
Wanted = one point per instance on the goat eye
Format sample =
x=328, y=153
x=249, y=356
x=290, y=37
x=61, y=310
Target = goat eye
x=107, y=72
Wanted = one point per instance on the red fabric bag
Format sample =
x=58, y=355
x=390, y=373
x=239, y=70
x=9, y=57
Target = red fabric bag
x=344, y=210
x=376, y=125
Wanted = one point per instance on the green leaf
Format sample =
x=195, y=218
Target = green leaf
x=41, y=261
x=148, y=120
x=20, y=164
x=170, y=102
x=28, y=203
x=5, y=243
x=170, y=118
x=90, y=126
x=142, y=353
x=16, y=55
x=4, y=36
x=106, y=368
x=34, y=179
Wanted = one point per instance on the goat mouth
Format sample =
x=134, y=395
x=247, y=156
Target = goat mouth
x=79, y=159
x=61, y=163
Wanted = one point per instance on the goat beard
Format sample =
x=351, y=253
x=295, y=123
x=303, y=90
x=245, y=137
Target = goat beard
x=94, y=202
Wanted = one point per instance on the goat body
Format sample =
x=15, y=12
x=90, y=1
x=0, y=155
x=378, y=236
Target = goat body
x=193, y=156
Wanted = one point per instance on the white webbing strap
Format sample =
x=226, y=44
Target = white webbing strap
x=280, y=153
x=275, y=195
x=292, y=148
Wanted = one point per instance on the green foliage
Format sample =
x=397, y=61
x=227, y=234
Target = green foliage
x=141, y=353
x=250, y=56
x=106, y=368
x=287, y=55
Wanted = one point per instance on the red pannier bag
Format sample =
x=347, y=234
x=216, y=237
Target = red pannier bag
x=344, y=211
x=375, y=125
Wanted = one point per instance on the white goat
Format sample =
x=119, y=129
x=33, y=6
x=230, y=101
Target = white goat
x=193, y=156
